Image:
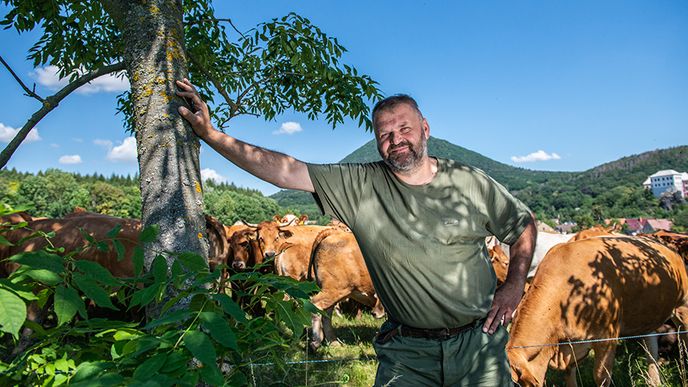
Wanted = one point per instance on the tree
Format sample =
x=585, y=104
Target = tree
x=283, y=64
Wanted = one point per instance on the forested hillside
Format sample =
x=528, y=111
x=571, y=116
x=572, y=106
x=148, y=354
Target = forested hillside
x=611, y=190
x=54, y=193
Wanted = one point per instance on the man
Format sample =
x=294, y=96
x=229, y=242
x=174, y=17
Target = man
x=421, y=224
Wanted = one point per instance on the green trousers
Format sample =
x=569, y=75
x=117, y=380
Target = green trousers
x=471, y=358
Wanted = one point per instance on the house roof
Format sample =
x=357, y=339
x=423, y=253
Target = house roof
x=665, y=172
x=635, y=224
x=647, y=181
x=660, y=224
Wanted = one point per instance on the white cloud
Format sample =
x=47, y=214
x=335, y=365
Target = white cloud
x=70, y=159
x=76, y=139
x=48, y=77
x=211, y=174
x=125, y=152
x=535, y=156
x=104, y=143
x=53, y=145
x=7, y=134
x=289, y=127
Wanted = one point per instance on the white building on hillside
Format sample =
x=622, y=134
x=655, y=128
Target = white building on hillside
x=668, y=180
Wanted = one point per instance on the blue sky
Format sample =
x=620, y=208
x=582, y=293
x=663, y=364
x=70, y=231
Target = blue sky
x=542, y=85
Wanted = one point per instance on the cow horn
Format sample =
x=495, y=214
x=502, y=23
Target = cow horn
x=253, y=225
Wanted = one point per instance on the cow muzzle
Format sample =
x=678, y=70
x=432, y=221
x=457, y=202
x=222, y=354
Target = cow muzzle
x=239, y=265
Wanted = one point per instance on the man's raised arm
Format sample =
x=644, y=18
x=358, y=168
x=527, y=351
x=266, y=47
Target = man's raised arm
x=277, y=168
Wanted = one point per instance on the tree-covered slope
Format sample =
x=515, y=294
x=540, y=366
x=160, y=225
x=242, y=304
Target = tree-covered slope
x=610, y=190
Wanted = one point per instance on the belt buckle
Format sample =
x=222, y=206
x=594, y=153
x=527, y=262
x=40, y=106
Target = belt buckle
x=444, y=334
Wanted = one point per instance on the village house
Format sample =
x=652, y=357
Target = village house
x=667, y=180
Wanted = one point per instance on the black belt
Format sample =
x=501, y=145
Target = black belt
x=436, y=333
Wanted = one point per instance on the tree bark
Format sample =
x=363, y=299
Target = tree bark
x=167, y=148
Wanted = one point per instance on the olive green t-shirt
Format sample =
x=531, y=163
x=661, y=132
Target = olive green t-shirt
x=424, y=245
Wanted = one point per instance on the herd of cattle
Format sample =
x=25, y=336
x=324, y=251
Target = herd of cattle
x=592, y=285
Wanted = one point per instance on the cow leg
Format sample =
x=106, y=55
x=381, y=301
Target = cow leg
x=317, y=336
x=680, y=318
x=325, y=301
x=604, y=361
x=330, y=334
x=651, y=347
x=571, y=376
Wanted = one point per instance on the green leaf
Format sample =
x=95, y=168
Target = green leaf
x=177, y=273
x=230, y=307
x=97, y=272
x=175, y=361
x=193, y=262
x=149, y=233
x=114, y=232
x=176, y=316
x=140, y=345
x=4, y=241
x=40, y=260
x=150, y=367
x=88, y=371
x=212, y=375
x=12, y=312
x=46, y=277
x=22, y=290
x=219, y=329
x=138, y=259
x=119, y=248
x=199, y=344
x=144, y=296
x=159, y=269
x=67, y=303
x=294, y=318
x=93, y=291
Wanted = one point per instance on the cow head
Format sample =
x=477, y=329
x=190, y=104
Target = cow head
x=218, y=247
x=271, y=238
x=678, y=242
x=243, y=245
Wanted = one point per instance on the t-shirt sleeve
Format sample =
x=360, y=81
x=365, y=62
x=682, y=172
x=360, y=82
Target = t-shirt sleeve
x=337, y=189
x=507, y=216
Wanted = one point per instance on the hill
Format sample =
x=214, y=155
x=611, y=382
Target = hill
x=612, y=189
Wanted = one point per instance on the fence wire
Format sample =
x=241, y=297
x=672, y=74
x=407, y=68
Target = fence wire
x=588, y=341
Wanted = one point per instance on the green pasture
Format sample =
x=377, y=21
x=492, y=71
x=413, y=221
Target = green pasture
x=352, y=362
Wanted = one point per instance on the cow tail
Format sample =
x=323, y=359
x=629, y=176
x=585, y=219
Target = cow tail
x=312, y=267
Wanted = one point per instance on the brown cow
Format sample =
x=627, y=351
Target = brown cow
x=290, y=246
x=602, y=287
x=68, y=234
x=595, y=231
x=338, y=267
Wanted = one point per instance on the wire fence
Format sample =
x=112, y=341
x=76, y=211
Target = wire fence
x=563, y=343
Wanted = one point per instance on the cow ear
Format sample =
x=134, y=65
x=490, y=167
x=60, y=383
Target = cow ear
x=286, y=234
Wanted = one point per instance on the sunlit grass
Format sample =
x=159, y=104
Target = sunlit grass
x=350, y=362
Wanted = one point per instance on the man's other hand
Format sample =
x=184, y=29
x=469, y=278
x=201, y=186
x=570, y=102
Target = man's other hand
x=505, y=301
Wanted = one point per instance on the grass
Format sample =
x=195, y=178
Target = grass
x=349, y=363
x=352, y=362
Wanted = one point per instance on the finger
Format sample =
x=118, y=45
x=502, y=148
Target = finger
x=186, y=113
x=496, y=322
x=184, y=85
x=490, y=318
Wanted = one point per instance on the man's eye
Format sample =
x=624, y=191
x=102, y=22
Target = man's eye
x=405, y=130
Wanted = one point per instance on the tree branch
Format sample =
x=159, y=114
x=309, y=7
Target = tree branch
x=223, y=92
x=216, y=20
x=30, y=93
x=51, y=103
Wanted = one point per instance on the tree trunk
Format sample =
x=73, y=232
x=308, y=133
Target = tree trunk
x=168, y=150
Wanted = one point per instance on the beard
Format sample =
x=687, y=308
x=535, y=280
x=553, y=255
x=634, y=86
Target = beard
x=409, y=160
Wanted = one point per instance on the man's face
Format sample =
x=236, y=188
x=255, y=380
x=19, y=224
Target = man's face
x=402, y=135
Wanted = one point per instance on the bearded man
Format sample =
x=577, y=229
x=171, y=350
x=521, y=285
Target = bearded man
x=421, y=224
